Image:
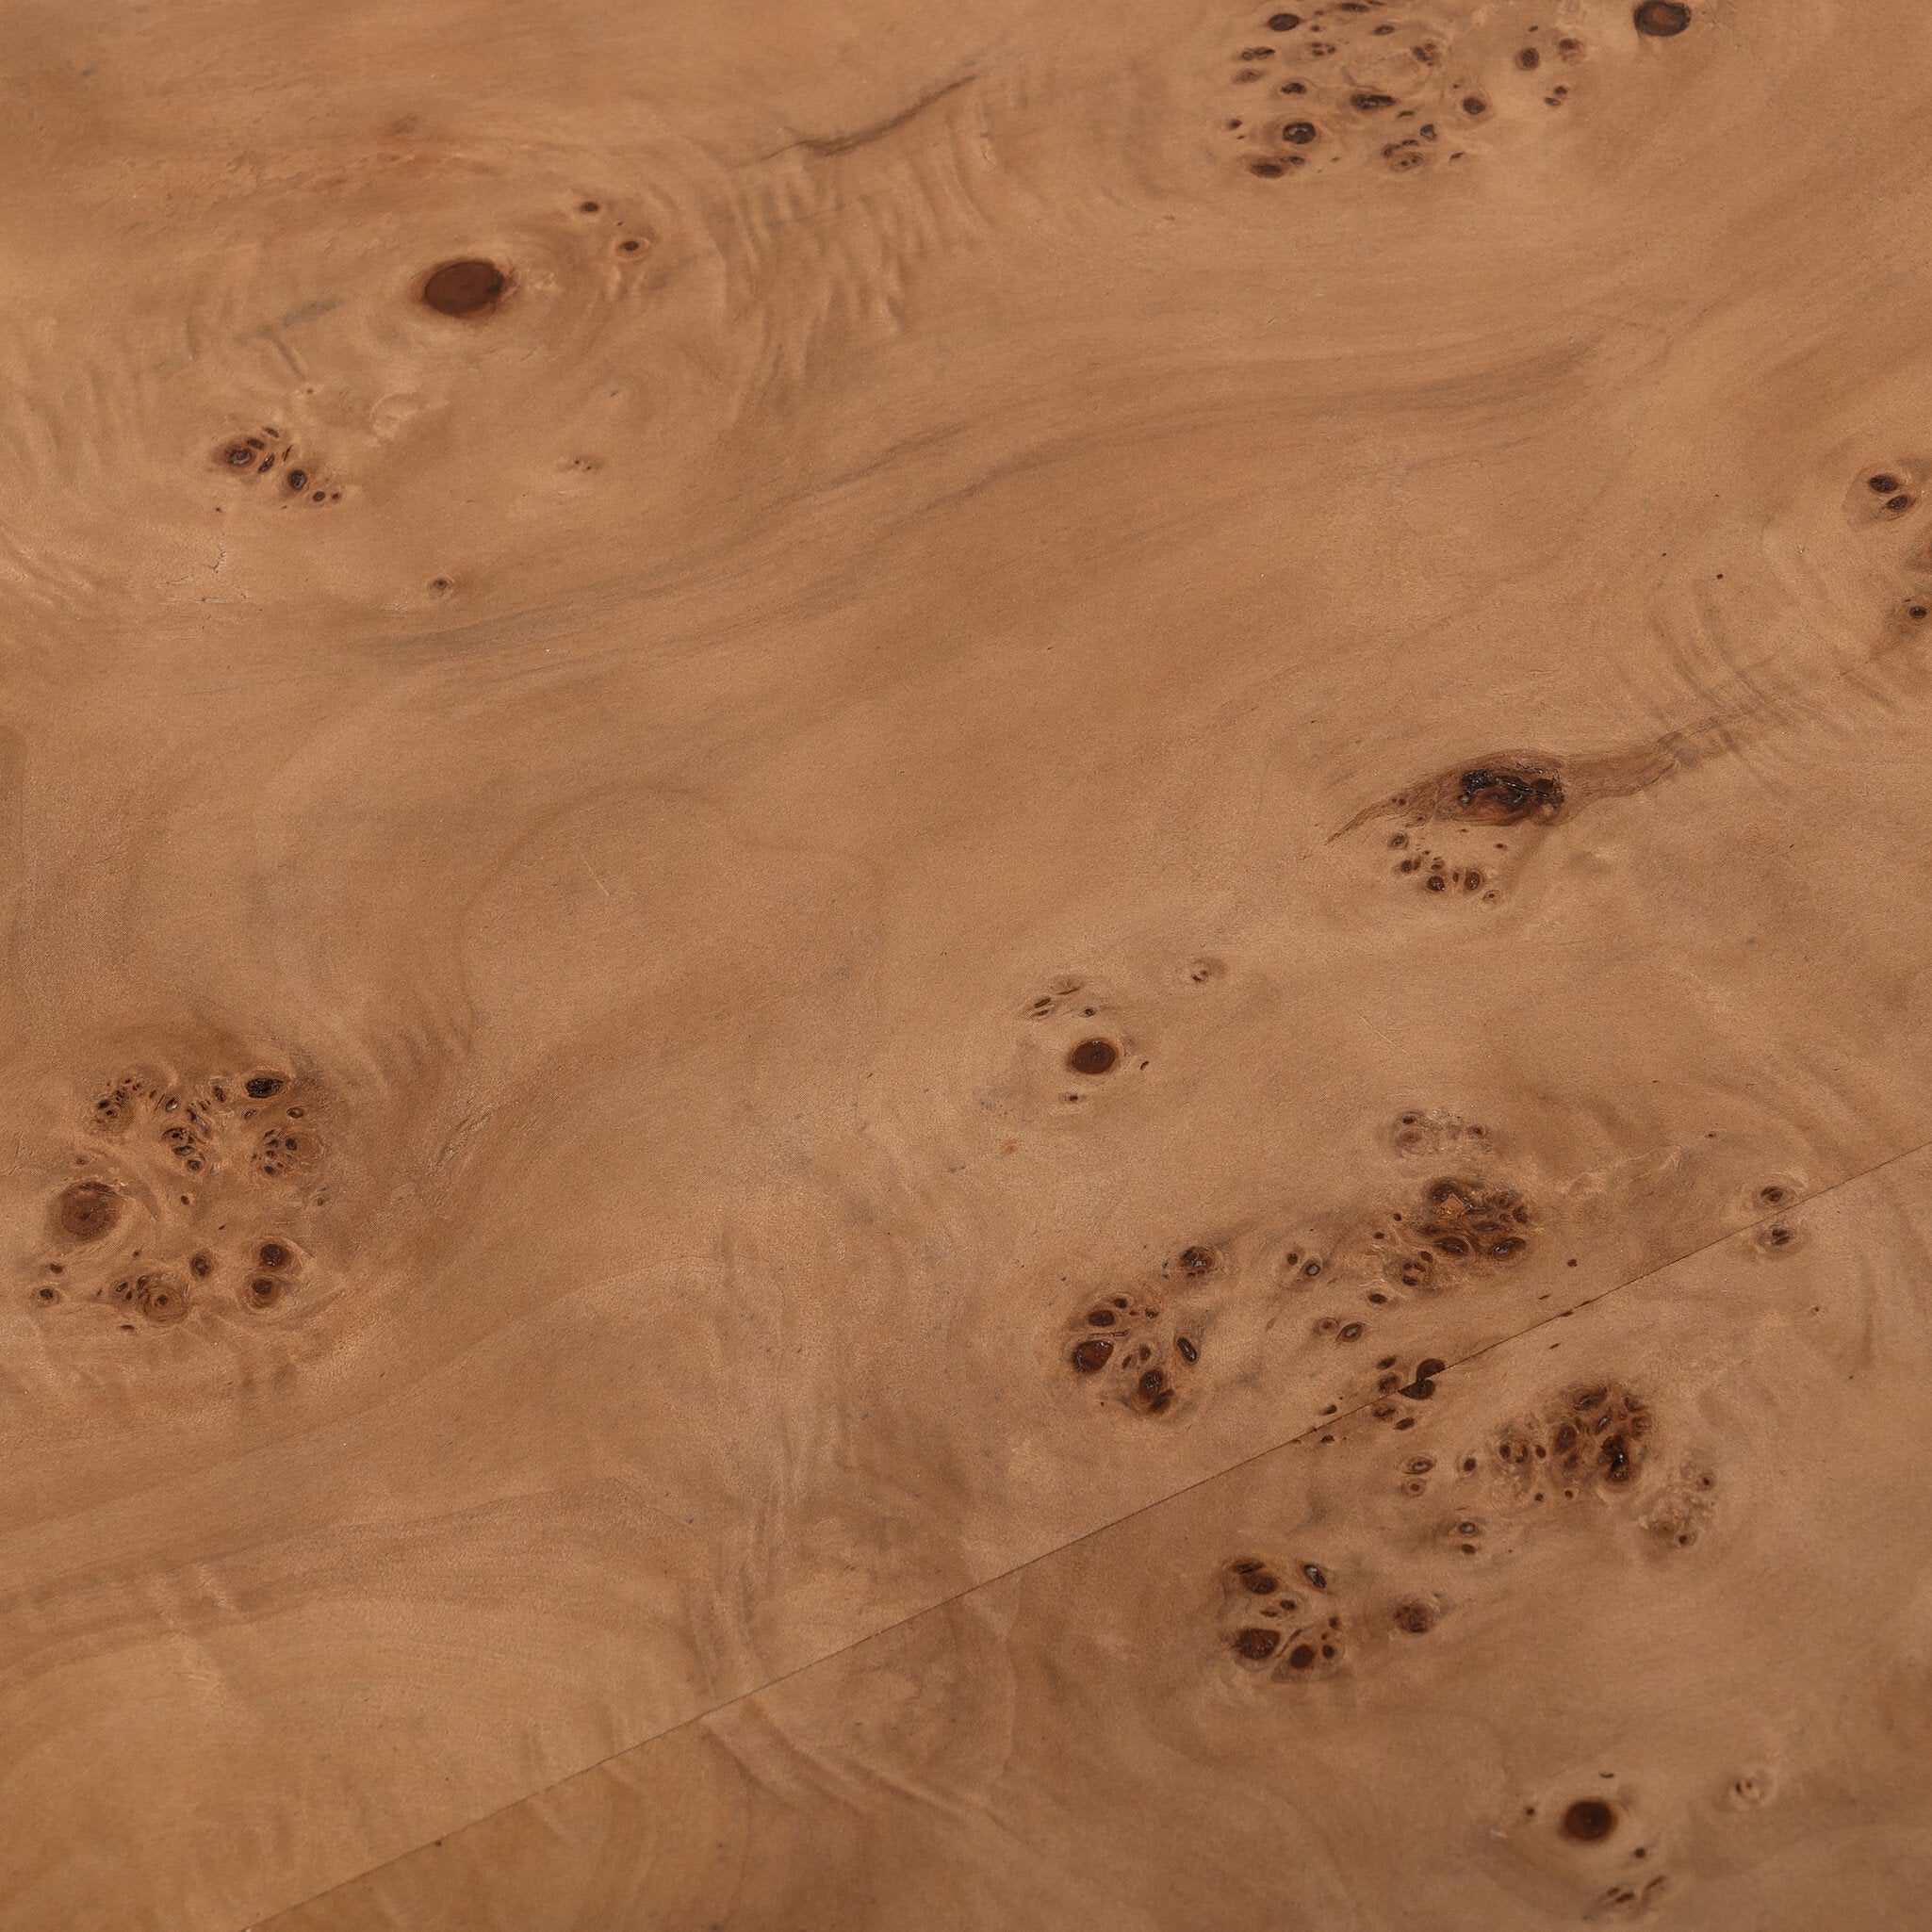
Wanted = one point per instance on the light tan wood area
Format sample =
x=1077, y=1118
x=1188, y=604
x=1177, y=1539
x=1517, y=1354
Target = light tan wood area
x=1476, y=1672
x=849, y=849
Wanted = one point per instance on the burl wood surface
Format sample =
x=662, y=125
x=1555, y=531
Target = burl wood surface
x=965, y=968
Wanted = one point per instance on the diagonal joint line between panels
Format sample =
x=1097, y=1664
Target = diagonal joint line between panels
x=1254, y=1456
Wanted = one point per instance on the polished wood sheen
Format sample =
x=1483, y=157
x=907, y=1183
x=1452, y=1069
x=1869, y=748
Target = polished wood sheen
x=965, y=968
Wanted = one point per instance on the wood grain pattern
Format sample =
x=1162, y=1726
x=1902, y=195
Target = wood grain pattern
x=813, y=817
x=1510, y=1682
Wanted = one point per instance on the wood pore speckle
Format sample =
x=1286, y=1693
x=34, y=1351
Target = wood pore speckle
x=965, y=968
